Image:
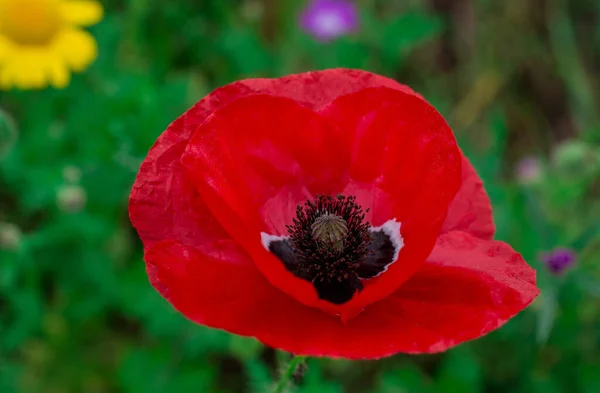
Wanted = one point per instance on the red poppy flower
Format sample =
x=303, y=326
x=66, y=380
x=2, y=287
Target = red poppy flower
x=329, y=213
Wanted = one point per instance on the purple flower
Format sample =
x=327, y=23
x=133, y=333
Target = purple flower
x=558, y=260
x=329, y=19
x=529, y=170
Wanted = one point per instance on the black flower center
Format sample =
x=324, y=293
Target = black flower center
x=331, y=245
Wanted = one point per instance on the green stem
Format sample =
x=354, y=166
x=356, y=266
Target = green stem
x=284, y=381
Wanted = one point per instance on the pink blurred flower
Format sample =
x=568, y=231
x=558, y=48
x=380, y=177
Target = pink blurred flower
x=329, y=19
x=529, y=170
x=559, y=260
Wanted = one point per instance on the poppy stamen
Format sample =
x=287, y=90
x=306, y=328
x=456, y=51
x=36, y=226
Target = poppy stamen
x=330, y=234
x=331, y=245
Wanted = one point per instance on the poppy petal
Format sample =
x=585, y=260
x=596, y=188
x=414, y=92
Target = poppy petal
x=163, y=203
x=471, y=210
x=251, y=168
x=317, y=89
x=468, y=288
x=404, y=165
x=257, y=158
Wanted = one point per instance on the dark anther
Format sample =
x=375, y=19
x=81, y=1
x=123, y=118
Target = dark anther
x=331, y=245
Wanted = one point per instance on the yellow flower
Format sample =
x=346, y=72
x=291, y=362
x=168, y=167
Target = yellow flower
x=41, y=41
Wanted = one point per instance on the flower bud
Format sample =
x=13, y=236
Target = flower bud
x=529, y=170
x=71, y=174
x=10, y=236
x=575, y=157
x=71, y=198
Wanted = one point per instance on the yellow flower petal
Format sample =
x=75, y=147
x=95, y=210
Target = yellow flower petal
x=77, y=47
x=28, y=68
x=34, y=77
x=81, y=12
x=33, y=68
x=59, y=74
x=5, y=78
x=5, y=48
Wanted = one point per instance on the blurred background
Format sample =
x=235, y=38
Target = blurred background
x=518, y=81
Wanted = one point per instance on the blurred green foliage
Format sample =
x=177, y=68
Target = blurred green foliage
x=513, y=78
